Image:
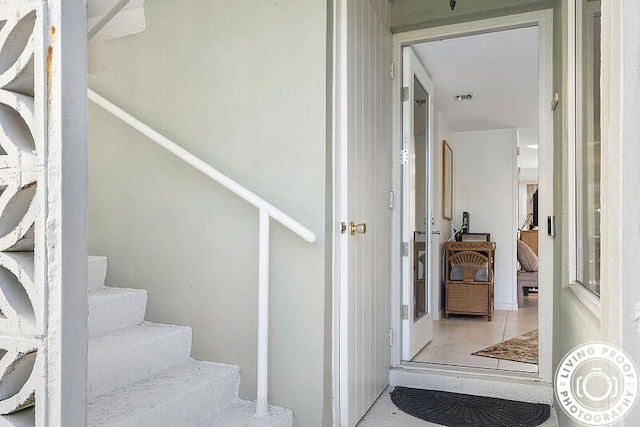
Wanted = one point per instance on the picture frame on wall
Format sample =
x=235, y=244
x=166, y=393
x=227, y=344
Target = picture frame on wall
x=447, y=180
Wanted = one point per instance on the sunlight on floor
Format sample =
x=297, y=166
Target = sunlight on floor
x=455, y=338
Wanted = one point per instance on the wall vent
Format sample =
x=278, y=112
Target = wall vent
x=464, y=97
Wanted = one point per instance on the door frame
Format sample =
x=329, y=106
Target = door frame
x=543, y=19
x=407, y=202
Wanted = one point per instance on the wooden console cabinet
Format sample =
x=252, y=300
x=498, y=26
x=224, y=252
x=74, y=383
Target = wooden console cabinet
x=468, y=295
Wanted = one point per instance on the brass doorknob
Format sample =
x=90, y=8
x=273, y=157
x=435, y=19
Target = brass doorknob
x=358, y=228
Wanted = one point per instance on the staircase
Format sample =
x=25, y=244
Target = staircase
x=142, y=374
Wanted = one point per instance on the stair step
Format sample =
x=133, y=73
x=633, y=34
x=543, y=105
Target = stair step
x=127, y=355
x=242, y=414
x=23, y=418
x=176, y=397
x=115, y=308
x=97, y=271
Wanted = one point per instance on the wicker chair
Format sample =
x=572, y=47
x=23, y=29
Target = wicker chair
x=468, y=262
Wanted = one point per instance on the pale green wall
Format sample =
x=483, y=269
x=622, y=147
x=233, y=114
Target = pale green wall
x=411, y=14
x=243, y=85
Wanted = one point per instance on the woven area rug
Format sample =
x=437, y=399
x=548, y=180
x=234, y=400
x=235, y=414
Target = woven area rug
x=464, y=410
x=519, y=349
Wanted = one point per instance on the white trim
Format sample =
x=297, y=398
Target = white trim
x=574, y=121
x=545, y=200
x=544, y=20
x=416, y=332
x=571, y=118
x=340, y=258
x=515, y=222
x=586, y=297
x=574, y=21
x=64, y=186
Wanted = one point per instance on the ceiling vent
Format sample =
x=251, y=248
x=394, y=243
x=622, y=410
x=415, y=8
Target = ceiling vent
x=465, y=97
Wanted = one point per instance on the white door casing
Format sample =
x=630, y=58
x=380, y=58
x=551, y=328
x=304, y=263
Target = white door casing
x=362, y=170
x=543, y=19
x=417, y=328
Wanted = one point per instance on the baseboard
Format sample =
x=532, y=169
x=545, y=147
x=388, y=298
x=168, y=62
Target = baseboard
x=508, y=306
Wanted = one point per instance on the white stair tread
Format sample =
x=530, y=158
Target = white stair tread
x=242, y=414
x=127, y=355
x=115, y=308
x=176, y=397
x=23, y=418
x=97, y=266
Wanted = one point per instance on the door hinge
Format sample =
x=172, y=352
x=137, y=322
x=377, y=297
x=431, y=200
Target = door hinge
x=392, y=200
x=404, y=156
x=390, y=337
x=392, y=70
x=405, y=312
x=405, y=248
x=405, y=94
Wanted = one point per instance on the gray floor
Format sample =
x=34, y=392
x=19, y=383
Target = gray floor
x=385, y=414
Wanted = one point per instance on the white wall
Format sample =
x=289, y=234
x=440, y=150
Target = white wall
x=485, y=185
x=440, y=224
x=243, y=85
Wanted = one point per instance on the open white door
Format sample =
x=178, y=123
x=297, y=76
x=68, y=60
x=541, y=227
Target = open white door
x=363, y=159
x=417, y=113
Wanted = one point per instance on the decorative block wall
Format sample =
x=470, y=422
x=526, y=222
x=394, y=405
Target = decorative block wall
x=23, y=70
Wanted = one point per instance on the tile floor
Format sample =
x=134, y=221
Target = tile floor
x=455, y=338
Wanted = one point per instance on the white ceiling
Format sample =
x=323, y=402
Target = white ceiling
x=500, y=69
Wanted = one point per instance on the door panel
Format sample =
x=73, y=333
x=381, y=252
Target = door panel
x=417, y=111
x=365, y=163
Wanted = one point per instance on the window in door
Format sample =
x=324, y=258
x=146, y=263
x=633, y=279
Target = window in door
x=588, y=147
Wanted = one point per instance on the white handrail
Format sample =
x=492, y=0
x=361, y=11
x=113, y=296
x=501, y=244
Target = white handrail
x=203, y=167
x=267, y=211
x=104, y=19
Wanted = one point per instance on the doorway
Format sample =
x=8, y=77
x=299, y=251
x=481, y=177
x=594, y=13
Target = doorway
x=470, y=171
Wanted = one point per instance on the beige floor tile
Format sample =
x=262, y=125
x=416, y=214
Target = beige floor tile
x=458, y=336
x=447, y=357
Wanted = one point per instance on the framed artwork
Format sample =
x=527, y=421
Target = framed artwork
x=447, y=180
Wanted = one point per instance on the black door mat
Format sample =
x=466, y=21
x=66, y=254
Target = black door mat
x=465, y=410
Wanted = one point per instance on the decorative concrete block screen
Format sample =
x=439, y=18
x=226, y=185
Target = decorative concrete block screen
x=23, y=293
